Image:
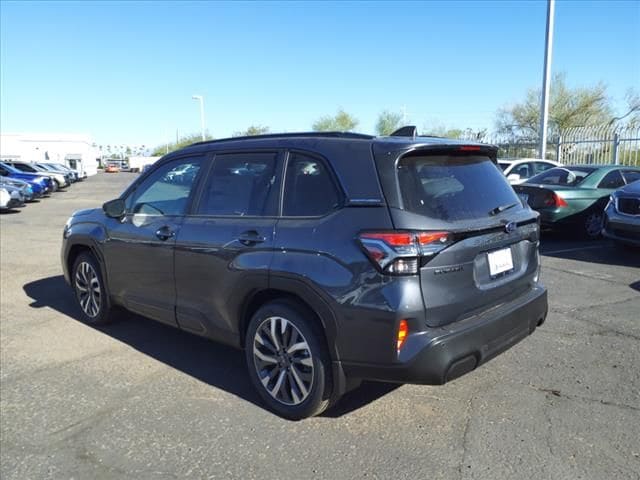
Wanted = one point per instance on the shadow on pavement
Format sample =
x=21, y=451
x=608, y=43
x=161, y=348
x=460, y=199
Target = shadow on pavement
x=605, y=252
x=215, y=364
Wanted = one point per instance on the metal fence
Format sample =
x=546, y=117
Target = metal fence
x=606, y=144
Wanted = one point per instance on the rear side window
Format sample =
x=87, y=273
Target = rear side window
x=539, y=167
x=524, y=170
x=241, y=184
x=309, y=190
x=612, y=180
x=563, y=176
x=453, y=188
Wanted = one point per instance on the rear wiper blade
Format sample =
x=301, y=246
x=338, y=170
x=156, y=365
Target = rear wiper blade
x=502, y=208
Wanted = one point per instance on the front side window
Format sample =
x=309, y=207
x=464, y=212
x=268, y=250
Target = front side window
x=631, y=176
x=167, y=190
x=241, y=184
x=309, y=190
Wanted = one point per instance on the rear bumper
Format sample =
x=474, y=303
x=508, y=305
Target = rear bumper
x=442, y=354
x=623, y=228
x=13, y=203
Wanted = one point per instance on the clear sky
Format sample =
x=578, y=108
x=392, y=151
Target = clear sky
x=125, y=72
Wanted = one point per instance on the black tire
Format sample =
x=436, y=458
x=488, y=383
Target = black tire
x=87, y=279
x=592, y=224
x=304, y=369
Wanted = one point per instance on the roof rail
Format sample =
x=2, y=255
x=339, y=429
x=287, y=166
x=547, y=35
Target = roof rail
x=361, y=136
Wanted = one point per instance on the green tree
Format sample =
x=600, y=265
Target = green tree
x=252, y=130
x=388, y=122
x=341, y=122
x=181, y=143
x=568, y=107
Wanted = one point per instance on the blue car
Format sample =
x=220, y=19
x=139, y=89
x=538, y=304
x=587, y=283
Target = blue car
x=40, y=185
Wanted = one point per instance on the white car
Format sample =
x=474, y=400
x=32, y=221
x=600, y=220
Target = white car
x=10, y=198
x=521, y=169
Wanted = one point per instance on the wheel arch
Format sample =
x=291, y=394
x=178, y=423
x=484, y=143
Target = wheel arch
x=298, y=293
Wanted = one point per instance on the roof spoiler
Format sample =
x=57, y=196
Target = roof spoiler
x=408, y=131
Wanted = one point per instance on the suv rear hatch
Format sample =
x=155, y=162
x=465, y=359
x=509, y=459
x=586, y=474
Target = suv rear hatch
x=490, y=255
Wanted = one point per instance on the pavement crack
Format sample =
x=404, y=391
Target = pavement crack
x=560, y=394
x=584, y=275
x=465, y=437
x=591, y=306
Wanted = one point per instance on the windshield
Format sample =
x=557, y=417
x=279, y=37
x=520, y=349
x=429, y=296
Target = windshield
x=503, y=165
x=10, y=168
x=454, y=188
x=570, y=176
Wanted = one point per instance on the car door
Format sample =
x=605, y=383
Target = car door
x=224, y=247
x=139, y=251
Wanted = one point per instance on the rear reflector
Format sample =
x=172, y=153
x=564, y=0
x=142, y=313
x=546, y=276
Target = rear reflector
x=403, y=331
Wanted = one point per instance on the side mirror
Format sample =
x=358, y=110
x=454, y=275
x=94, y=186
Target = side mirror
x=114, y=208
x=513, y=177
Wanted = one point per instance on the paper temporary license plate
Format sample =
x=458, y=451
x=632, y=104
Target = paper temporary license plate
x=500, y=261
x=524, y=197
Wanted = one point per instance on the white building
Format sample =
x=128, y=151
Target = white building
x=72, y=150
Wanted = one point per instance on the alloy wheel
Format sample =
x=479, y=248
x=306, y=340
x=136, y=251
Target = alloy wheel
x=88, y=288
x=283, y=360
x=593, y=224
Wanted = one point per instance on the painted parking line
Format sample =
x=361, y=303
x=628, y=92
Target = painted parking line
x=575, y=249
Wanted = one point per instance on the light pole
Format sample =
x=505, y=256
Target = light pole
x=546, y=80
x=199, y=98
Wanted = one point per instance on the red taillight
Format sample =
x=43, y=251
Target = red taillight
x=392, y=239
x=559, y=201
x=403, y=331
x=470, y=148
x=398, y=253
x=425, y=238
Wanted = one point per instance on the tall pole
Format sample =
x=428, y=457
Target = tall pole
x=201, y=100
x=546, y=80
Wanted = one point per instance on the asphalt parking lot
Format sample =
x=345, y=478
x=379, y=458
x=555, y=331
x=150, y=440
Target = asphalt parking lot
x=137, y=399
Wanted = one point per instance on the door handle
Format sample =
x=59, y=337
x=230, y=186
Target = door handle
x=165, y=233
x=250, y=238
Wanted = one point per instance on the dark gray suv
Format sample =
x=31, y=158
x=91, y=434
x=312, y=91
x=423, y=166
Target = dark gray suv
x=328, y=257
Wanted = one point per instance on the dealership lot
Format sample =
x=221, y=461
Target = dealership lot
x=137, y=399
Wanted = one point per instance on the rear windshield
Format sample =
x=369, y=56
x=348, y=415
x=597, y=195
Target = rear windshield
x=454, y=188
x=562, y=176
x=503, y=165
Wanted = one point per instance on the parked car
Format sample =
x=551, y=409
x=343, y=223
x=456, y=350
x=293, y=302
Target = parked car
x=25, y=189
x=622, y=215
x=112, y=168
x=573, y=197
x=40, y=184
x=520, y=170
x=59, y=168
x=59, y=180
x=329, y=257
x=10, y=198
x=183, y=175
